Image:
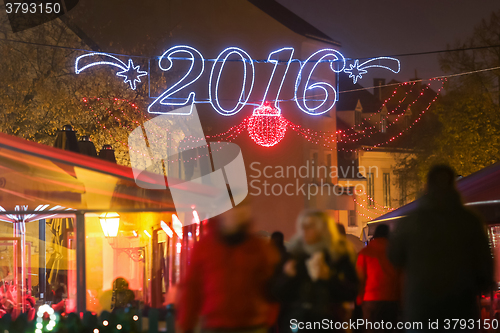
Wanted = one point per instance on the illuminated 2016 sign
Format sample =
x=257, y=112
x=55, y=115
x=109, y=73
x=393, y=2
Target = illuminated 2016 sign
x=303, y=85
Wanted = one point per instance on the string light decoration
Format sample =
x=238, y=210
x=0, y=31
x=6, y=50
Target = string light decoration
x=132, y=74
x=357, y=70
x=368, y=210
x=266, y=127
x=129, y=72
x=352, y=136
x=375, y=206
x=42, y=311
x=329, y=139
x=366, y=216
x=165, y=97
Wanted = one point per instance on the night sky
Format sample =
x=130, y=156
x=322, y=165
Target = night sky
x=390, y=27
x=365, y=28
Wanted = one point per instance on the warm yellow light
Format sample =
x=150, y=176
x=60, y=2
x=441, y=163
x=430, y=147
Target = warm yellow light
x=167, y=229
x=110, y=223
x=177, y=225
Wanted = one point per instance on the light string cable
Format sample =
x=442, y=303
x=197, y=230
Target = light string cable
x=157, y=57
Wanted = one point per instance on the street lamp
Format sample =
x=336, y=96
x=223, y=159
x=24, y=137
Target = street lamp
x=110, y=222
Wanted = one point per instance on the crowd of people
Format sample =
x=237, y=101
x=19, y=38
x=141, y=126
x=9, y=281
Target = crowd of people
x=432, y=267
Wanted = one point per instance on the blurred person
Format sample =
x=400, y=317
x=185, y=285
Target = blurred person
x=278, y=240
x=351, y=310
x=119, y=297
x=349, y=246
x=443, y=249
x=379, y=280
x=122, y=295
x=60, y=289
x=227, y=284
x=320, y=275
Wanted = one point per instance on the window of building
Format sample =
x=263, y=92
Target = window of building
x=371, y=189
x=387, y=190
x=357, y=118
x=357, y=115
x=383, y=124
x=407, y=117
x=314, y=166
x=351, y=221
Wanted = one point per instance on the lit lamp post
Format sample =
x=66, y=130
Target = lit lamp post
x=110, y=222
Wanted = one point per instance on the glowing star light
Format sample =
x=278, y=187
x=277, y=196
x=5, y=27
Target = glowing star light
x=355, y=72
x=130, y=72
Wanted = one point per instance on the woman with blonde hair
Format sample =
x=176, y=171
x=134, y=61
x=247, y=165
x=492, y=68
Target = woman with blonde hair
x=319, y=277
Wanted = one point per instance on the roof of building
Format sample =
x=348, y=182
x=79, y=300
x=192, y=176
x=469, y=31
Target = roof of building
x=351, y=93
x=292, y=21
x=416, y=96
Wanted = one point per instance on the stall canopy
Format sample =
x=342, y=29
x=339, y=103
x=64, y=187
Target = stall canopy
x=42, y=178
x=480, y=191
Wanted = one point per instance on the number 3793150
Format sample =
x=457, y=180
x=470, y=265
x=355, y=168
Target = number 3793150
x=32, y=8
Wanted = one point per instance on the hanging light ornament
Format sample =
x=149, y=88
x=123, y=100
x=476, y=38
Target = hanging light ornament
x=266, y=127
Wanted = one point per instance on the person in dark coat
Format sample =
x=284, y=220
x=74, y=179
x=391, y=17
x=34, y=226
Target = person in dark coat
x=443, y=249
x=380, y=281
x=278, y=240
x=122, y=295
x=319, y=277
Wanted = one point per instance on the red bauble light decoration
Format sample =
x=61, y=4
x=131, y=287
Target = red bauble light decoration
x=266, y=127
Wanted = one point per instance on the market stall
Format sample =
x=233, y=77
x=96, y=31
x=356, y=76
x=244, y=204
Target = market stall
x=70, y=225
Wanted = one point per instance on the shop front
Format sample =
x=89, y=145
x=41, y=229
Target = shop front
x=75, y=231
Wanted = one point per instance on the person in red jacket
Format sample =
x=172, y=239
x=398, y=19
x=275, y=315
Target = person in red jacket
x=228, y=281
x=380, y=280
